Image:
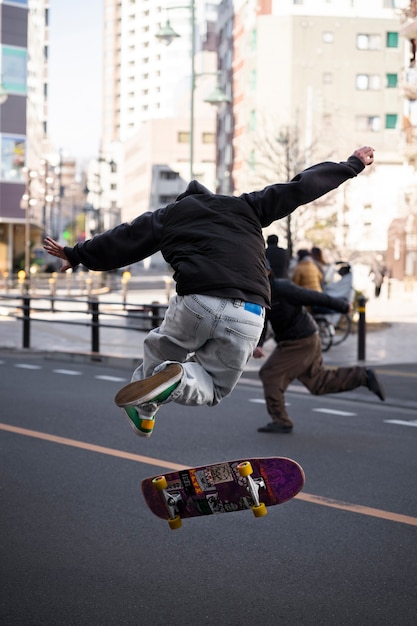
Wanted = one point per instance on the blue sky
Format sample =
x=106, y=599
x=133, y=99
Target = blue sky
x=75, y=75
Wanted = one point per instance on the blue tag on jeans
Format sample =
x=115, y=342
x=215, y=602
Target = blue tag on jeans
x=253, y=308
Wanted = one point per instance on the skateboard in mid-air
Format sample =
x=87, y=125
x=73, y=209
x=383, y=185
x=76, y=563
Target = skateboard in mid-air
x=252, y=483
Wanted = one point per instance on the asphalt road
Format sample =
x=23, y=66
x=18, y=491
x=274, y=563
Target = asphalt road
x=79, y=546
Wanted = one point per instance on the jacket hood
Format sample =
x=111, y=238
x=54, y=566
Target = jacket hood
x=193, y=188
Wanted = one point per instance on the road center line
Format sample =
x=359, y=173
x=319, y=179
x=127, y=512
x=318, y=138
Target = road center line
x=306, y=497
x=92, y=447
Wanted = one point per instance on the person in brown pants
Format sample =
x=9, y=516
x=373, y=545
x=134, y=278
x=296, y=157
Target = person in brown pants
x=298, y=354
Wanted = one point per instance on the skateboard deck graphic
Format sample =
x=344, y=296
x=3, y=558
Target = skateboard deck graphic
x=251, y=483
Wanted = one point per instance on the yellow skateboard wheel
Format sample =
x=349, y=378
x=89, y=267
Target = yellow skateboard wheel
x=259, y=510
x=160, y=483
x=245, y=468
x=175, y=522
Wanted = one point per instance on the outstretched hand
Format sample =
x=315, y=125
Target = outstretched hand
x=56, y=249
x=365, y=154
x=258, y=353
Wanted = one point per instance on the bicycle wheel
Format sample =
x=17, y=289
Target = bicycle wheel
x=342, y=329
x=326, y=337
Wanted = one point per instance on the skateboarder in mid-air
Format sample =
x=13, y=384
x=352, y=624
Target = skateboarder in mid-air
x=215, y=246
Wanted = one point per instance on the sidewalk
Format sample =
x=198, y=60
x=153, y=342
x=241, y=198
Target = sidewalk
x=395, y=343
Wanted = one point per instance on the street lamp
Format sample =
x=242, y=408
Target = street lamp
x=217, y=96
x=167, y=34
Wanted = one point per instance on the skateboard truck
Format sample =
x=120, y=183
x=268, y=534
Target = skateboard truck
x=171, y=501
x=253, y=486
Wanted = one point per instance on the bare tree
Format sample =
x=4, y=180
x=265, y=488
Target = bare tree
x=276, y=155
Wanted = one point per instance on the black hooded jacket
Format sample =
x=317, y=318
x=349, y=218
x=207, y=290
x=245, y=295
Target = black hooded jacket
x=214, y=243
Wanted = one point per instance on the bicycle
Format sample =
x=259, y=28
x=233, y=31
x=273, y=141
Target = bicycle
x=333, y=333
x=325, y=332
x=337, y=325
x=342, y=329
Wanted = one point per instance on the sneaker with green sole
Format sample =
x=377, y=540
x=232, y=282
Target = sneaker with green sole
x=154, y=389
x=142, y=426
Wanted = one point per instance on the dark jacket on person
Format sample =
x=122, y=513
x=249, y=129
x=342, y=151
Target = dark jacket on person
x=288, y=317
x=214, y=243
x=279, y=260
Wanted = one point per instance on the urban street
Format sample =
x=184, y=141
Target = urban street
x=79, y=545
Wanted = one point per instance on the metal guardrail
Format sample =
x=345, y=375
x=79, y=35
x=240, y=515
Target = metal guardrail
x=142, y=317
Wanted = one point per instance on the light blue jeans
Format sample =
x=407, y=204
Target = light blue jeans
x=213, y=339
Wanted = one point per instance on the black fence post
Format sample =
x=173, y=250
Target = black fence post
x=95, y=325
x=155, y=315
x=26, y=321
x=362, y=328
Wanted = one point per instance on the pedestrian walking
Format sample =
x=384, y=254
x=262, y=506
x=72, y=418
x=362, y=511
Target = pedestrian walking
x=327, y=269
x=215, y=246
x=298, y=354
x=278, y=257
x=306, y=272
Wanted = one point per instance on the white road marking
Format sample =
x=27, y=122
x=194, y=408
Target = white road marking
x=29, y=366
x=262, y=401
x=402, y=422
x=334, y=412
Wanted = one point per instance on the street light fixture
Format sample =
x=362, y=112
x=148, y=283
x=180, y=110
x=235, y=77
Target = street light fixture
x=217, y=96
x=167, y=34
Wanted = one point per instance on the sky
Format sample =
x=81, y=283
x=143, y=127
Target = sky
x=75, y=76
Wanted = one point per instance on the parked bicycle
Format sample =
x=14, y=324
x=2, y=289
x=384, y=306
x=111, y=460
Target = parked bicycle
x=333, y=334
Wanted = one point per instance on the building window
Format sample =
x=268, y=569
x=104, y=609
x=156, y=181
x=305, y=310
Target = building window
x=391, y=120
x=209, y=138
x=392, y=40
x=168, y=175
x=253, y=40
x=365, y=82
x=252, y=161
x=253, y=80
x=252, y=120
x=368, y=123
x=183, y=137
x=328, y=37
x=392, y=80
x=368, y=42
x=14, y=69
x=13, y=157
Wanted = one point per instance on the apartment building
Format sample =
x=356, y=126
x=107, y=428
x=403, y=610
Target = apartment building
x=23, y=124
x=313, y=80
x=401, y=255
x=146, y=85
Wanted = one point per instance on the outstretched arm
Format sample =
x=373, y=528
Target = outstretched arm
x=278, y=200
x=56, y=249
